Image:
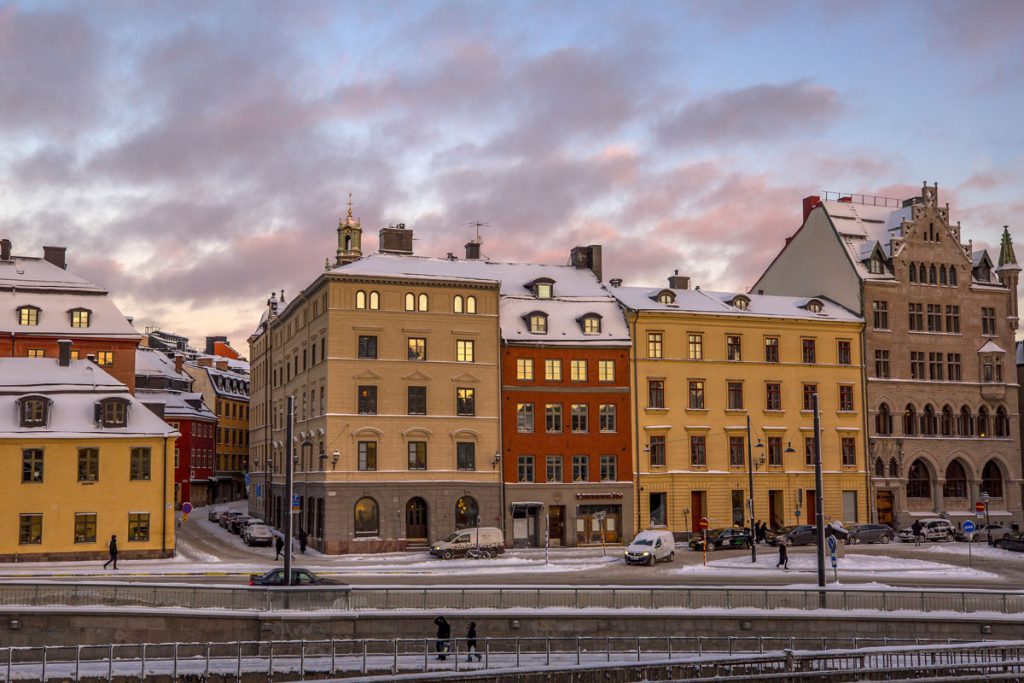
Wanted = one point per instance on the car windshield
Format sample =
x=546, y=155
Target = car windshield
x=786, y=529
x=643, y=541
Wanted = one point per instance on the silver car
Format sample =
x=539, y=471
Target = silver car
x=258, y=534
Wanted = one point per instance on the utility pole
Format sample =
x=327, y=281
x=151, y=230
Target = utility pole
x=289, y=484
x=750, y=501
x=819, y=501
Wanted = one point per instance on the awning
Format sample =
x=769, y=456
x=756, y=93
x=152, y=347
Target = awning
x=527, y=504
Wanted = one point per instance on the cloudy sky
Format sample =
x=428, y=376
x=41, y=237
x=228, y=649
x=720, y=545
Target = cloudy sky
x=195, y=156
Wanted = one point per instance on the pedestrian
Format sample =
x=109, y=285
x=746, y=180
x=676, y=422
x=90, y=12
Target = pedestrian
x=279, y=546
x=444, y=632
x=764, y=532
x=471, y=643
x=303, y=540
x=112, y=548
x=917, y=527
x=783, y=557
x=758, y=532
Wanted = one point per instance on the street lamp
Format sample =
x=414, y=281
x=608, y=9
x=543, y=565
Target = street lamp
x=819, y=500
x=750, y=500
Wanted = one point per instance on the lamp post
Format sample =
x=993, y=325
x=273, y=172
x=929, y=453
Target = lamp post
x=289, y=484
x=819, y=500
x=750, y=500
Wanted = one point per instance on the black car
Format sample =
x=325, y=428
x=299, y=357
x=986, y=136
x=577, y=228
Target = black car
x=800, y=534
x=300, y=577
x=871, y=533
x=721, y=539
x=1013, y=541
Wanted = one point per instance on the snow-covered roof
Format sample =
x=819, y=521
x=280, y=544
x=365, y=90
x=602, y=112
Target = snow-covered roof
x=180, y=405
x=153, y=363
x=226, y=383
x=564, y=321
x=26, y=272
x=235, y=364
x=710, y=302
x=991, y=347
x=74, y=391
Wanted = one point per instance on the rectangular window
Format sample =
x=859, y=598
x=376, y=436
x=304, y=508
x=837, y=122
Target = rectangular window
x=85, y=527
x=808, y=351
x=607, y=417
x=578, y=370
x=808, y=397
x=988, y=322
x=953, y=319
x=881, y=363
x=654, y=345
x=733, y=345
x=105, y=358
x=553, y=370
x=367, y=400
x=30, y=529
x=935, y=362
x=609, y=468
x=465, y=401
x=917, y=365
x=579, y=416
x=849, y=450
x=809, y=451
x=89, y=464
x=696, y=394
x=845, y=397
x=659, y=509
x=934, y=313
x=553, y=417
x=844, y=356
x=657, y=447
x=37, y=353
x=580, y=468
x=737, y=508
x=695, y=346
x=698, y=451
x=141, y=464
x=850, y=506
x=655, y=393
x=28, y=315
x=880, y=314
x=736, y=446
x=953, y=367
x=525, y=468
x=916, y=317
x=735, y=396
x=367, y=456
x=606, y=370
x=138, y=526
x=417, y=455
x=524, y=369
x=771, y=350
x=775, y=451
x=465, y=455
x=417, y=348
x=32, y=466
x=773, y=396
x=524, y=417
x=417, y=400
x=367, y=346
x=553, y=473
x=465, y=350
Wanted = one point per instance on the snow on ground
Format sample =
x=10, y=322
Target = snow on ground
x=858, y=564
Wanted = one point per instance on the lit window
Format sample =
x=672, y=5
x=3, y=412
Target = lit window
x=591, y=324
x=458, y=304
x=553, y=370
x=606, y=370
x=105, y=358
x=80, y=317
x=28, y=315
x=524, y=369
x=374, y=301
x=578, y=370
x=421, y=302
x=410, y=302
x=471, y=305
x=464, y=350
x=36, y=353
x=360, y=299
x=538, y=323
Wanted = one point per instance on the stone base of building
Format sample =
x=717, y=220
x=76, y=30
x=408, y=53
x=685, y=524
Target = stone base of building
x=578, y=514
x=87, y=556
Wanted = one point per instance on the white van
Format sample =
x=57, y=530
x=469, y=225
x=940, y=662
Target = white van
x=651, y=546
x=490, y=539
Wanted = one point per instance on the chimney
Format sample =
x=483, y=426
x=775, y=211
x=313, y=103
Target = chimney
x=473, y=250
x=677, y=281
x=395, y=240
x=55, y=255
x=206, y=362
x=91, y=357
x=179, y=360
x=5, y=249
x=615, y=282
x=587, y=257
x=810, y=202
x=221, y=364
x=64, y=352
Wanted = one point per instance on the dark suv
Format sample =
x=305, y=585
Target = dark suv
x=801, y=534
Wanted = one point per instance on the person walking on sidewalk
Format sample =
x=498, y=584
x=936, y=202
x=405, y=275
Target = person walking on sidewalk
x=471, y=643
x=112, y=548
x=279, y=546
x=783, y=557
x=303, y=540
x=444, y=632
x=917, y=528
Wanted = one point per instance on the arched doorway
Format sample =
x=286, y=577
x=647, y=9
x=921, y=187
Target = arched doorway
x=466, y=512
x=416, y=526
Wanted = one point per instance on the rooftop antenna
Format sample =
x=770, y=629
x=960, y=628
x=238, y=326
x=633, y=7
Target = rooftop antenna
x=478, y=225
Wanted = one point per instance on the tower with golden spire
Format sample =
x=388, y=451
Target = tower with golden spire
x=350, y=237
x=1008, y=272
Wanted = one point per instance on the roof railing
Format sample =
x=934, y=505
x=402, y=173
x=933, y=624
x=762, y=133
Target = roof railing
x=866, y=199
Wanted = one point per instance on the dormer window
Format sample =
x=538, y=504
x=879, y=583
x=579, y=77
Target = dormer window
x=537, y=322
x=112, y=412
x=875, y=265
x=34, y=411
x=814, y=305
x=542, y=288
x=590, y=323
x=80, y=317
x=665, y=296
x=28, y=315
x=741, y=302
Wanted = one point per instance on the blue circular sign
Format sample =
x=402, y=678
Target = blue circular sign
x=968, y=526
x=186, y=508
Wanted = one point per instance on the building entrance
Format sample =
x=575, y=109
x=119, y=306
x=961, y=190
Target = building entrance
x=883, y=506
x=416, y=526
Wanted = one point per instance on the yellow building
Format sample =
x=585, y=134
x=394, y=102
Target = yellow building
x=705, y=362
x=224, y=385
x=82, y=460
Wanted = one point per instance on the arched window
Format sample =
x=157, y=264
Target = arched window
x=909, y=420
x=966, y=426
x=928, y=422
x=913, y=273
x=1002, y=425
x=942, y=275
x=922, y=274
x=466, y=512
x=919, y=482
x=894, y=469
x=471, y=305
x=883, y=420
x=932, y=279
x=360, y=299
x=421, y=302
x=983, y=422
x=956, y=481
x=992, y=480
x=374, y=301
x=879, y=467
x=946, y=424
x=458, y=305
x=410, y=301
x=952, y=276
x=366, y=517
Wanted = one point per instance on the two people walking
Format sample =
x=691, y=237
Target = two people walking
x=444, y=633
x=279, y=543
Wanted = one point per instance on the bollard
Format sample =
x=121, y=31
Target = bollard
x=142, y=672
x=42, y=675
x=110, y=663
x=238, y=663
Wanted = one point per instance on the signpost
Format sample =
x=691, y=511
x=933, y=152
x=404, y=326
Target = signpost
x=185, y=509
x=704, y=524
x=599, y=516
x=832, y=553
x=968, y=527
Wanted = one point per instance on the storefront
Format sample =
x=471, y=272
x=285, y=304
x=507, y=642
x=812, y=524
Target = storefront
x=598, y=523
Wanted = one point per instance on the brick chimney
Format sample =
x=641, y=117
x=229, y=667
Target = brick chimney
x=64, y=352
x=473, y=251
x=221, y=364
x=179, y=360
x=56, y=256
x=677, y=281
x=5, y=249
x=395, y=240
x=810, y=202
x=588, y=257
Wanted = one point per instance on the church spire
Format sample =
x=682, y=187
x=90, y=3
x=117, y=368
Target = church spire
x=1006, y=255
x=350, y=236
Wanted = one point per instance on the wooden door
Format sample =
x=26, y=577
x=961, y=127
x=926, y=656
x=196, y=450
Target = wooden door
x=883, y=505
x=809, y=506
x=416, y=527
x=556, y=525
x=696, y=510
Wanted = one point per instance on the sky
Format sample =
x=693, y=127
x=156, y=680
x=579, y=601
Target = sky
x=194, y=157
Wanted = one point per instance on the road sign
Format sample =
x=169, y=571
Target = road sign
x=835, y=562
x=979, y=507
x=832, y=545
x=259, y=490
x=704, y=523
x=246, y=480
x=296, y=504
x=968, y=526
x=186, y=508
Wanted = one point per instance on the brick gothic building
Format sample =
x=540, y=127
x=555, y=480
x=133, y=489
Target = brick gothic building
x=939, y=348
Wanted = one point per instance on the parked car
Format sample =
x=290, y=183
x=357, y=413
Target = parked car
x=871, y=533
x=1013, y=541
x=981, y=534
x=935, y=530
x=236, y=524
x=799, y=534
x=226, y=517
x=722, y=539
x=651, y=546
x=300, y=577
x=214, y=514
x=490, y=538
x=258, y=534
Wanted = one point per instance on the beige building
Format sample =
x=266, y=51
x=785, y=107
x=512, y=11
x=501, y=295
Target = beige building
x=394, y=370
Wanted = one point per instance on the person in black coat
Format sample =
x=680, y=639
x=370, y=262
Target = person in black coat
x=471, y=642
x=444, y=632
x=112, y=548
x=303, y=540
x=279, y=546
x=783, y=557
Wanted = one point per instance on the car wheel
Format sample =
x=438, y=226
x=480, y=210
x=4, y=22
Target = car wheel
x=650, y=561
x=491, y=553
x=447, y=554
x=885, y=540
x=672, y=556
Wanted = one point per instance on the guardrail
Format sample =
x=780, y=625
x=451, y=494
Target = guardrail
x=373, y=656
x=440, y=598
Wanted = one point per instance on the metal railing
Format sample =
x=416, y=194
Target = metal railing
x=439, y=598
x=299, y=658
x=866, y=199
